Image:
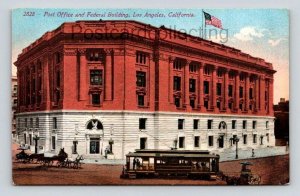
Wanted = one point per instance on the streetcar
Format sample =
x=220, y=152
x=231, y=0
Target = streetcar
x=195, y=164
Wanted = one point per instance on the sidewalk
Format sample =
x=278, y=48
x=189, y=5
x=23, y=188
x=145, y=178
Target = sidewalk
x=226, y=155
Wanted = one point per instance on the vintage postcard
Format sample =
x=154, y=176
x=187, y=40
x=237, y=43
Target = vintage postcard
x=150, y=96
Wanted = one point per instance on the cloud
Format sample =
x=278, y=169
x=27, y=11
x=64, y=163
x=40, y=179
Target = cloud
x=275, y=42
x=249, y=33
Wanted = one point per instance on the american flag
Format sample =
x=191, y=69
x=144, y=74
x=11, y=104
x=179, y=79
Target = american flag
x=211, y=20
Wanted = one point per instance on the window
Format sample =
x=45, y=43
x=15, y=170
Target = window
x=206, y=104
x=254, y=138
x=192, y=103
x=210, y=140
x=37, y=123
x=196, y=123
x=233, y=141
x=251, y=93
x=96, y=99
x=53, y=142
x=140, y=79
x=218, y=104
x=254, y=124
x=206, y=87
x=178, y=64
x=230, y=105
x=57, y=57
x=230, y=90
x=209, y=124
x=241, y=77
x=192, y=85
x=181, y=142
x=54, y=123
x=244, y=124
x=233, y=125
x=58, y=78
x=219, y=73
x=267, y=124
x=141, y=58
x=30, y=139
x=180, y=124
x=244, y=139
x=141, y=101
x=143, y=143
x=219, y=89
x=177, y=83
x=96, y=77
x=193, y=67
x=268, y=137
x=241, y=92
x=241, y=106
x=95, y=55
x=177, y=102
x=26, y=122
x=206, y=70
x=231, y=75
x=142, y=123
x=197, y=141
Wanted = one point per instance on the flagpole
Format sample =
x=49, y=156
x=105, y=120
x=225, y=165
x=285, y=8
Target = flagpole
x=203, y=25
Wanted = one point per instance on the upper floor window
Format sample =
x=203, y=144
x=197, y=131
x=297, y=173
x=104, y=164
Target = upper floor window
x=241, y=92
x=140, y=79
x=206, y=70
x=95, y=55
x=196, y=124
x=142, y=123
x=206, y=87
x=209, y=124
x=177, y=83
x=230, y=90
x=141, y=100
x=54, y=123
x=231, y=75
x=219, y=73
x=193, y=67
x=96, y=77
x=180, y=123
x=26, y=122
x=57, y=57
x=141, y=58
x=178, y=64
x=242, y=77
x=244, y=124
x=177, y=102
x=267, y=124
x=58, y=78
x=219, y=89
x=233, y=125
x=254, y=124
x=96, y=99
x=251, y=93
x=192, y=85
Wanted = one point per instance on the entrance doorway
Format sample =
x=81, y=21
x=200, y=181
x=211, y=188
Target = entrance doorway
x=94, y=145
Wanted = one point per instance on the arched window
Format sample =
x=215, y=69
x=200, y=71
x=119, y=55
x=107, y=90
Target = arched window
x=222, y=125
x=94, y=124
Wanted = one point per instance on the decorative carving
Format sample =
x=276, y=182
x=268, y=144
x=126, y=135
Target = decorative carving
x=70, y=52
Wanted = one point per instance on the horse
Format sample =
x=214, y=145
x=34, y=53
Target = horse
x=60, y=158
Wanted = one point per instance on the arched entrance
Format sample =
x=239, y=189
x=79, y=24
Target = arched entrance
x=94, y=137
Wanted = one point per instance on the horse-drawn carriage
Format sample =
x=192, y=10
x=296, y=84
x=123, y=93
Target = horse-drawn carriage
x=59, y=160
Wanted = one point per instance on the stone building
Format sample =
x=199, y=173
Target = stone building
x=88, y=84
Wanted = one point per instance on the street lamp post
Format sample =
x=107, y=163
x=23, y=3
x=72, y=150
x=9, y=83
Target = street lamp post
x=236, y=140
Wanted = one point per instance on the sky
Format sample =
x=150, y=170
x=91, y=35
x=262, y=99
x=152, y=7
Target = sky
x=261, y=33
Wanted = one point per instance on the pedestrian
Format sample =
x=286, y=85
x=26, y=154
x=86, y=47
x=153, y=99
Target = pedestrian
x=138, y=163
x=253, y=154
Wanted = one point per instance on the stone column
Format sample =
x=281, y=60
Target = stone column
x=271, y=80
x=83, y=79
x=262, y=88
x=46, y=83
x=200, y=87
x=225, y=97
x=170, y=85
x=237, y=89
x=108, y=77
x=213, y=94
x=186, y=84
x=256, y=93
x=247, y=76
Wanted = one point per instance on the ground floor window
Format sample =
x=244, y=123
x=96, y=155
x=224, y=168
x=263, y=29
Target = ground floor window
x=94, y=145
x=245, y=139
x=254, y=139
x=25, y=139
x=143, y=143
x=210, y=140
x=197, y=142
x=96, y=99
x=53, y=142
x=221, y=141
x=181, y=142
